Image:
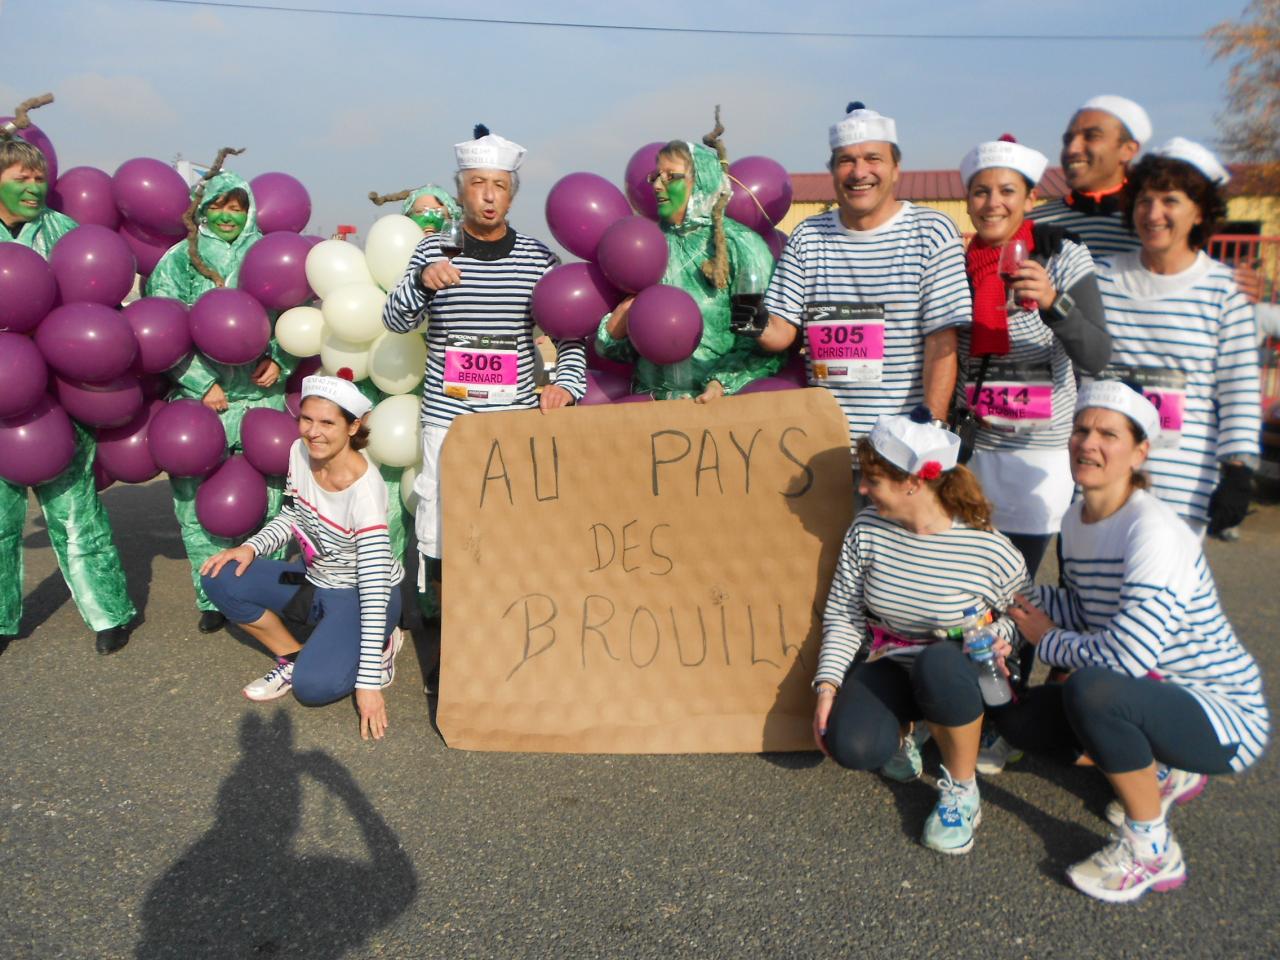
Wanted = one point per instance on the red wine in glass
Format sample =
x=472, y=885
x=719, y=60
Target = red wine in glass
x=1012, y=254
x=451, y=238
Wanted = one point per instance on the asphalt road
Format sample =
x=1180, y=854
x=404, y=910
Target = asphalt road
x=148, y=810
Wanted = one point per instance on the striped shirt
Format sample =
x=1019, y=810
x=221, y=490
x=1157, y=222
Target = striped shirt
x=345, y=544
x=1138, y=598
x=1032, y=342
x=1103, y=233
x=491, y=301
x=913, y=584
x=1194, y=324
x=912, y=267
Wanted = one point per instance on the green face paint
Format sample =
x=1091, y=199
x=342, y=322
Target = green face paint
x=23, y=198
x=677, y=192
x=430, y=220
x=226, y=224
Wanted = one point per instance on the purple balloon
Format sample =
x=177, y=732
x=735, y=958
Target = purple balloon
x=665, y=324
x=23, y=374
x=275, y=271
x=570, y=299
x=87, y=341
x=27, y=288
x=230, y=326
x=152, y=194
x=161, y=327
x=776, y=240
x=108, y=404
x=580, y=207
x=123, y=451
x=312, y=239
x=596, y=362
x=635, y=398
x=639, y=190
x=148, y=248
x=604, y=387
x=84, y=195
x=293, y=386
x=36, y=137
x=233, y=501
x=93, y=265
x=769, y=183
x=101, y=479
x=155, y=386
x=267, y=435
x=770, y=384
x=281, y=201
x=633, y=254
x=36, y=446
x=187, y=439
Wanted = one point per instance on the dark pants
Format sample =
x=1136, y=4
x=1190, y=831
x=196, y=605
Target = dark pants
x=1122, y=722
x=879, y=697
x=1032, y=546
x=326, y=668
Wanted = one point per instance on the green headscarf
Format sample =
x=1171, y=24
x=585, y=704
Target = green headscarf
x=451, y=206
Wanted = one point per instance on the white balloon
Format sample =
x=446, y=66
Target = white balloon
x=337, y=353
x=397, y=362
x=301, y=331
x=407, y=495
x=334, y=263
x=393, y=431
x=390, y=244
x=354, y=311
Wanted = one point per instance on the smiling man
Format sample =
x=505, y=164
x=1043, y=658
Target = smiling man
x=877, y=286
x=23, y=192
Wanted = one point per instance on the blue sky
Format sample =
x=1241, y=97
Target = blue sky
x=351, y=104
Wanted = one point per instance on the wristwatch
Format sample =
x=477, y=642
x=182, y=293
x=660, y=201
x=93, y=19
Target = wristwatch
x=1063, y=305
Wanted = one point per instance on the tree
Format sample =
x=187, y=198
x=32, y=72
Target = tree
x=1251, y=123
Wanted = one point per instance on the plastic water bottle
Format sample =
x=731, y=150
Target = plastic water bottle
x=979, y=644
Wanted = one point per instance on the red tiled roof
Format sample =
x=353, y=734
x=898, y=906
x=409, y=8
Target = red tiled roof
x=927, y=185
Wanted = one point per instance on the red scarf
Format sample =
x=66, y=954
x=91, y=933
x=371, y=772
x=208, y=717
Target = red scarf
x=990, y=333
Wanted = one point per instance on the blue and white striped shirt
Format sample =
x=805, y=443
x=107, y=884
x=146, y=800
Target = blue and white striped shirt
x=913, y=266
x=1103, y=233
x=913, y=584
x=345, y=544
x=491, y=301
x=1139, y=599
x=1198, y=323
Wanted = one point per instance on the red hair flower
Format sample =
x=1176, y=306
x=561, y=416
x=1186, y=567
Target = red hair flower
x=931, y=470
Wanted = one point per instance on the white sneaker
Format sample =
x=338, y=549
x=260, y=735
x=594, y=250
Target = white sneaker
x=1118, y=874
x=389, y=655
x=994, y=751
x=274, y=685
x=1177, y=786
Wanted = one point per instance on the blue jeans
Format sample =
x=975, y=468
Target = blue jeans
x=326, y=668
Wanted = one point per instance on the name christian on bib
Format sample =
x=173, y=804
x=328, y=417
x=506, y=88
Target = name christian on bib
x=845, y=341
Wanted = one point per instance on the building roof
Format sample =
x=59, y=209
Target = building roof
x=925, y=185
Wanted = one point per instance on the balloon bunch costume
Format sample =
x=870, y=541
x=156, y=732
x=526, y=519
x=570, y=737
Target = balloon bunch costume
x=721, y=355
x=79, y=528
x=176, y=276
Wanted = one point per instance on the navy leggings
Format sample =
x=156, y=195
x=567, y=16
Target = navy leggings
x=879, y=697
x=1122, y=722
x=326, y=668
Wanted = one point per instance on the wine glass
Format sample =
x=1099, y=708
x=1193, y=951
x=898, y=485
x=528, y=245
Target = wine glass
x=746, y=298
x=1012, y=254
x=451, y=238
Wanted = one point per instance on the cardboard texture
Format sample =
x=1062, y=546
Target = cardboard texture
x=640, y=578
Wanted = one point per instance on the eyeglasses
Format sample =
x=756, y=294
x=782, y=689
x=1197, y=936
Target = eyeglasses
x=660, y=177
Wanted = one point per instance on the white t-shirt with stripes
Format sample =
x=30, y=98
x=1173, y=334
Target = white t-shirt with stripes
x=1139, y=599
x=345, y=544
x=1103, y=233
x=913, y=584
x=912, y=266
x=491, y=301
x=1195, y=325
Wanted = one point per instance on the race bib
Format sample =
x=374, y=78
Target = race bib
x=480, y=368
x=885, y=643
x=308, y=549
x=845, y=342
x=1015, y=397
x=1167, y=391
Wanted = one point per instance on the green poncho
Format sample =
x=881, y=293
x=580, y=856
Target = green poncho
x=42, y=231
x=732, y=360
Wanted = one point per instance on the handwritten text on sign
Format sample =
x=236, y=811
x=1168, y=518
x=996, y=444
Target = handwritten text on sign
x=642, y=577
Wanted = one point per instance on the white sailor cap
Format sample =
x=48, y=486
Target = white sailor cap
x=337, y=390
x=488, y=151
x=1126, y=111
x=914, y=444
x=1122, y=398
x=1199, y=156
x=1005, y=152
x=860, y=125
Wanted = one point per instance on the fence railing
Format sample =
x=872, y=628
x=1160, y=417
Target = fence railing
x=1261, y=253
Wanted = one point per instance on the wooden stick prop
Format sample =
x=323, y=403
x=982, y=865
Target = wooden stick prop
x=380, y=199
x=717, y=269
x=189, y=219
x=20, y=121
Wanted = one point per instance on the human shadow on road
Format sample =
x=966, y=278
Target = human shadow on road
x=242, y=891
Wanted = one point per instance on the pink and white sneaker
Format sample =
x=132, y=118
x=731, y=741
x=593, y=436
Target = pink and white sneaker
x=1119, y=874
x=274, y=685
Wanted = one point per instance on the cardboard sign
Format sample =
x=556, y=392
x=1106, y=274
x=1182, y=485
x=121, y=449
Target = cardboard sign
x=640, y=578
